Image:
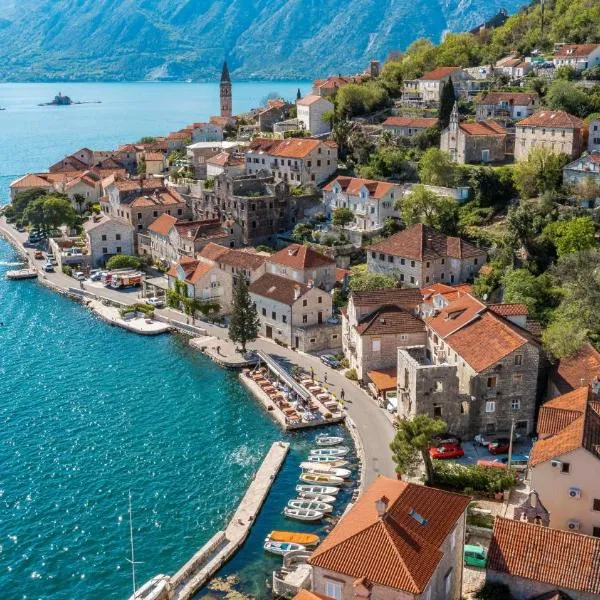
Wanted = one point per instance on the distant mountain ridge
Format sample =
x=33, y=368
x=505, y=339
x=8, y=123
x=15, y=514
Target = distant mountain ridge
x=180, y=39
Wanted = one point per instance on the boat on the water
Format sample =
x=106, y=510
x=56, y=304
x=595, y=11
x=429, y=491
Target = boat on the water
x=319, y=478
x=281, y=547
x=317, y=489
x=328, y=440
x=302, y=514
x=22, y=274
x=310, y=505
x=328, y=460
x=309, y=467
x=317, y=497
x=341, y=451
x=155, y=588
x=305, y=539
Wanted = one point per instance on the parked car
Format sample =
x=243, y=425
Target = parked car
x=475, y=556
x=49, y=267
x=330, y=360
x=38, y=254
x=519, y=462
x=447, y=438
x=80, y=276
x=446, y=451
x=499, y=446
x=485, y=439
x=156, y=302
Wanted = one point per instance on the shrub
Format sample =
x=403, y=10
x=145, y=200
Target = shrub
x=123, y=261
x=141, y=307
x=352, y=374
x=67, y=270
x=480, y=520
x=344, y=363
x=478, y=478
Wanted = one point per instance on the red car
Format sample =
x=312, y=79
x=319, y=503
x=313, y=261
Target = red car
x=446, y=451
x=499, y=446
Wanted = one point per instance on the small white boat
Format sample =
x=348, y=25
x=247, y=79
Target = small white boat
x=22, y=274
x=341, y=451
x=155, y=588
x=328, y=460
x=309, y=467
x=302, y=514
x=317, y=497
x=281, y=547
x=321, y=479
x=328, y=440
x=317, y=489
x=310, y=505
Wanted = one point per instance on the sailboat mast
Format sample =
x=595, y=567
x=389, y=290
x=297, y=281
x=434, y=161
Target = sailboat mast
x=131, y=542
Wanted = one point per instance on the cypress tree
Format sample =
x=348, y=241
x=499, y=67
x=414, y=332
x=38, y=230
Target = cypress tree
x=447, y=100
x=244, y=323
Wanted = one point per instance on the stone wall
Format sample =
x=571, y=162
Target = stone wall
x=326, y=336
x=524, y=589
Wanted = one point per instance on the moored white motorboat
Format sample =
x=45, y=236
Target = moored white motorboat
x=309, y=467
x=341, y=451
x=22, y=274
x=281, y=547
x=310, y=505
x=333, y=461
x=317, y=489
x=317, y=497
x=302, y=514
x=328, y=440
x=320, y=479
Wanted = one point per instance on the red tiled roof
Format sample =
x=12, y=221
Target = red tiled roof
x=296, y=147
x=407, y=298
x=581, y=368
x=483, y=128
x=384, y=379
x=390, y=320
x=558, y=413
x=278, y=288
x=421, y=242
x=576, y=50
x=336, y=82
x=213, y=251
x=297, y=256
x=154, y=156
x=549, y=118
x=541, y=554
x=509, y=310
x=412, y=122
x=242, y=259
x=162, y=225
x=308, y=595
x=310, y=99
x=31, y=180
x=439, y=73
x=188, y=264
x=353, y=185
x=394, y=550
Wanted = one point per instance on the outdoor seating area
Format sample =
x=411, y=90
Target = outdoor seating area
x=322, y=395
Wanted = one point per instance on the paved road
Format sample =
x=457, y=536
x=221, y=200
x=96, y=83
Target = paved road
x=373, y=424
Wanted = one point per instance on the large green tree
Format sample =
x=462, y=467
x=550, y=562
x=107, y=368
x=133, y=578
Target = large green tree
x=342, y=216
x=572, y=235
x=367, y=282
x=244, y=323
x=427, y=207
x=540, y=172
x=537, y=293
x=568, y=96
x=412, y=442
x=436, y=167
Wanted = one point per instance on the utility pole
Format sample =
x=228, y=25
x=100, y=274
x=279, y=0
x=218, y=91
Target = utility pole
x=510, y=443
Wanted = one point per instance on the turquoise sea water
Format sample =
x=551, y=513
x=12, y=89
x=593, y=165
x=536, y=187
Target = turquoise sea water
x=89, y=412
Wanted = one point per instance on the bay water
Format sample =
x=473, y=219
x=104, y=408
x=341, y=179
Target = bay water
x=90, y=412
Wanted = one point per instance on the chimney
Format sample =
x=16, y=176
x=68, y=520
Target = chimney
x=296, y=292
x=381, y=506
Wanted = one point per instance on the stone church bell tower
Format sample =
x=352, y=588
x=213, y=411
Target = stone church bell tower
x=225, y=88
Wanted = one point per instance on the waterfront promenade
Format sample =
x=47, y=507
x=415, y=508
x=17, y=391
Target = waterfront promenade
x=373, y=425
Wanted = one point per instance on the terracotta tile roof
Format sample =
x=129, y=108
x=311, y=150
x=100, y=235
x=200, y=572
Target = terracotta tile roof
x=31, y=180
x=393, y=550
x=558, y=413
x=421, y=242
x=308, y=595
x=336, y=82
x=384, y=379
x=195, y=230
x=581, y=368
x=340, y=274
x=509, y=310
x=576, y=50
x=154, y=156
x=407, y=298
x=242, y=259
x=225, y=159
x=439, y=73
x=512, y=98
x=481, y=128
x=213, y=251
x=295, y=147
x=162, y=225
x=412, y=122
x=310, y=99
x=558, y=558
x=549, y=118
x=390, y=320
x=437, y=288
x=188, y=264
x=278, y=288
x=202, y=268
x=582, y=431
x=297, y=256
x=353, y=185
x=178, y=135
x=455, y=315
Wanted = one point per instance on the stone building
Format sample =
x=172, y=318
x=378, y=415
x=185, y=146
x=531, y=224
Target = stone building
x=107, y=236
x=310, y=111
x=297, y=161
x=594, y=136
x=225, y=93
x=564, y=463
x=420, y=255
x=395, y=543
x=276, y=110
x=538, y=562
x=578, y=56
x=206, y=132
x=481, y=142
x=582, y=170
x=408, y=126
x=558, y=131
x=290, y=311
x=376, y=323
x=506, y=106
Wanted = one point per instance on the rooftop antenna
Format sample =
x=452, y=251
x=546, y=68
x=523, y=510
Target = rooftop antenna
x=132, y=560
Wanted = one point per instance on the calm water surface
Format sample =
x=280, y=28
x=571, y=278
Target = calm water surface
x=89, y=412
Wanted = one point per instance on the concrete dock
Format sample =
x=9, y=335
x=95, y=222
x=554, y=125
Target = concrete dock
x=221, y=547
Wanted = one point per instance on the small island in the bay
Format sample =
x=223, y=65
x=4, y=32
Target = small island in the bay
x=61, y=100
